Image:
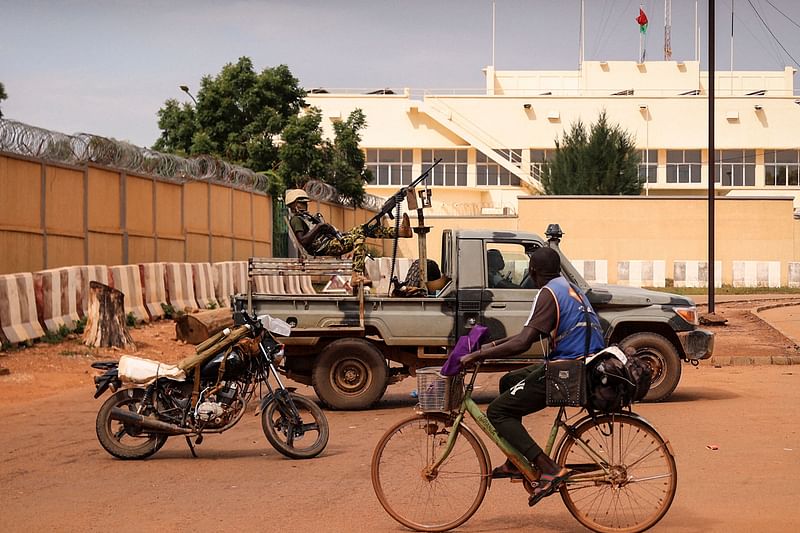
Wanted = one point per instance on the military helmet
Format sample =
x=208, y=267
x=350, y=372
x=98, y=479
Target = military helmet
x=294, y=195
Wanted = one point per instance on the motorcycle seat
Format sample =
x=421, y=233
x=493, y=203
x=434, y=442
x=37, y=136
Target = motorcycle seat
x=139, y=370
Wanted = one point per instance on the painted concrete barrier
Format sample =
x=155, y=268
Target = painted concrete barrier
x=269, y=285
x=756, y=274
x=127, y=278
x=794, y=275
x=298, y=285
x=56, y=292
x=639, y=273
x=306, y=286
x=688, y=273
x=180, y=286
x=592, y=270
x=18, y=318
x=203, y=275
x=230, y=277
x=154, y=288
x=90, y=273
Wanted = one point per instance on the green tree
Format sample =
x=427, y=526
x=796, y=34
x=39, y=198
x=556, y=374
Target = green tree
x=601, y=161
x=260, y=121
x=348, y=172
x=238, y=117
x=3, y=96
x=302, y=154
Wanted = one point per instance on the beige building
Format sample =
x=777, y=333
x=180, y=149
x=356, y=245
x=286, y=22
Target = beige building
x=494, y=142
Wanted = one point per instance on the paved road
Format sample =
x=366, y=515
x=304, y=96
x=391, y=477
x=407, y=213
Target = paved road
x=54, y=475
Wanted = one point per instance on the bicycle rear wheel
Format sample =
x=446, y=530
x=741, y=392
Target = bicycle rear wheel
x=416, y=497
x=630, y=484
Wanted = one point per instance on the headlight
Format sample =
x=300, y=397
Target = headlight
x=689, y=314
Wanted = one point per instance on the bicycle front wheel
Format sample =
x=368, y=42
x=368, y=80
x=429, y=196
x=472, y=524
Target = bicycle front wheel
x=624, y=474
x=414, y=495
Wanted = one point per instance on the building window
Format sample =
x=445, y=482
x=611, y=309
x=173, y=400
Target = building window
x=451, y=172
x=782, y=168
x=538, y=161
x=737, y=168
x=491, y=174
x=683, y=166
x=389, y=166
x=648, y=166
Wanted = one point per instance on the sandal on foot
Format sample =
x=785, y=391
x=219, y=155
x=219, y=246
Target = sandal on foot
x=548, y=484
x=506, y=470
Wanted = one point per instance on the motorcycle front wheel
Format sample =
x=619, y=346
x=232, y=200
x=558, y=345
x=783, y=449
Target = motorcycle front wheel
x=126, y=441
x=297, y=441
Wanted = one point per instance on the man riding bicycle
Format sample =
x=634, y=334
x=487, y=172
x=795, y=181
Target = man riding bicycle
x=562, y=313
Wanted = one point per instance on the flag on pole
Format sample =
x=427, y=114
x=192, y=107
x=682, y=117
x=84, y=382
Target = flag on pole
x=642, y=21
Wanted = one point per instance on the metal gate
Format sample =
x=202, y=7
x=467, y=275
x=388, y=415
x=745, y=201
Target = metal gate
x=280, y=237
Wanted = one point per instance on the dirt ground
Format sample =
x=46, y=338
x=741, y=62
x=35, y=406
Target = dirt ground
x=55, y=476
x=44, y=369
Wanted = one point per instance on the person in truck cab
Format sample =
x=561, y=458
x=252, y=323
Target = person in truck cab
x=495, y=264
x=559, y=312
x=320, y=238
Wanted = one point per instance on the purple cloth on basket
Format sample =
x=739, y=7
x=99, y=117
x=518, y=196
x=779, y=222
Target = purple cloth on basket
x=466, y=344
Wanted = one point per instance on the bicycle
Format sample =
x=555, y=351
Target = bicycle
x=431, y=471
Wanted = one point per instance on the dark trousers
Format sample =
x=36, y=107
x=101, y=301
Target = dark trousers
x=522, y=392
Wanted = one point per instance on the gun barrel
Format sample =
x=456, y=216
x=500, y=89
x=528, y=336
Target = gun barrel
x=391, y=202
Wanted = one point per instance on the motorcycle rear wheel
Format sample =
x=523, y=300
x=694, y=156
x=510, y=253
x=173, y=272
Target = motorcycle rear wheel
x=126, y=441
x=302, y=442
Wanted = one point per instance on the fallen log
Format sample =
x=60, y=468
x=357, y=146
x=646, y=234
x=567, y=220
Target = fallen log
x=196, y=327
x=105, y=318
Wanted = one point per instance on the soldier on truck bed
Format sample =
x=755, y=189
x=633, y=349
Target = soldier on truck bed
x=321, y=238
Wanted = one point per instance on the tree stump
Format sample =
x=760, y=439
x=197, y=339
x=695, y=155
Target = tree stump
x=105, y=318
x=197, y=327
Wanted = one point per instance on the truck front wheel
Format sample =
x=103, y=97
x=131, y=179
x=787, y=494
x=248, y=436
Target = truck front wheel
x=663, y=359
x=350, y=374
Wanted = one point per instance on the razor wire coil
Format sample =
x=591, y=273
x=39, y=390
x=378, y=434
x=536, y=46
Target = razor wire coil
x=84, y=148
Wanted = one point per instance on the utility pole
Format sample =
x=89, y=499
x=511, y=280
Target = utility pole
x=711, y=154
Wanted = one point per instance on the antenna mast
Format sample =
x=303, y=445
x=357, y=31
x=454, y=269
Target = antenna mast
x=667, y=30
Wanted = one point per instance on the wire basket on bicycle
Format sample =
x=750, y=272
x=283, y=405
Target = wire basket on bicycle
x=438, y=393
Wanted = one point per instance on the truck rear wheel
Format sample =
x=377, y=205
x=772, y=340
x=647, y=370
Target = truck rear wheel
x=350, y=374
x=663, y=359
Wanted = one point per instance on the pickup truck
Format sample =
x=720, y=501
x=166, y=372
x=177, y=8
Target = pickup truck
x=350, y=348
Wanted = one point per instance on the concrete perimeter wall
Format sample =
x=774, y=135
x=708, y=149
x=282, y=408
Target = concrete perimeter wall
x=55, y=215
x=670, y=229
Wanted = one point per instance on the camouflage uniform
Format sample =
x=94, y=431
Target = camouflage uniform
x=352, y=241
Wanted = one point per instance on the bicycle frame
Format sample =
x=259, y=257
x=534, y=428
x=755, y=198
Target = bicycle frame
x=469, y=406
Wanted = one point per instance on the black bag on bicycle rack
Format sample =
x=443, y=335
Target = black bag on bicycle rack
x=565, y=383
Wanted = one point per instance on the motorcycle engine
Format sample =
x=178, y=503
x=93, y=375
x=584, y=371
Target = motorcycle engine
x=218, y=409
x=210, y=412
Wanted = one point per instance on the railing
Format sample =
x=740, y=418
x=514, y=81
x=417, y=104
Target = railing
x=494, y=149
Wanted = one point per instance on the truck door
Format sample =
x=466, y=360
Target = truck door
x=505, y=302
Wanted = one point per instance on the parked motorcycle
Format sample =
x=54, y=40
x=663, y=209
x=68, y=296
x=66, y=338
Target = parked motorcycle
x=207, y=393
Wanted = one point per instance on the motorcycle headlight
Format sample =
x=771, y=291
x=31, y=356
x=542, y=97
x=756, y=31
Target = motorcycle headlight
x=689, y=314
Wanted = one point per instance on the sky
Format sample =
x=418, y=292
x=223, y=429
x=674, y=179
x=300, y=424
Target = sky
x=106, y=67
